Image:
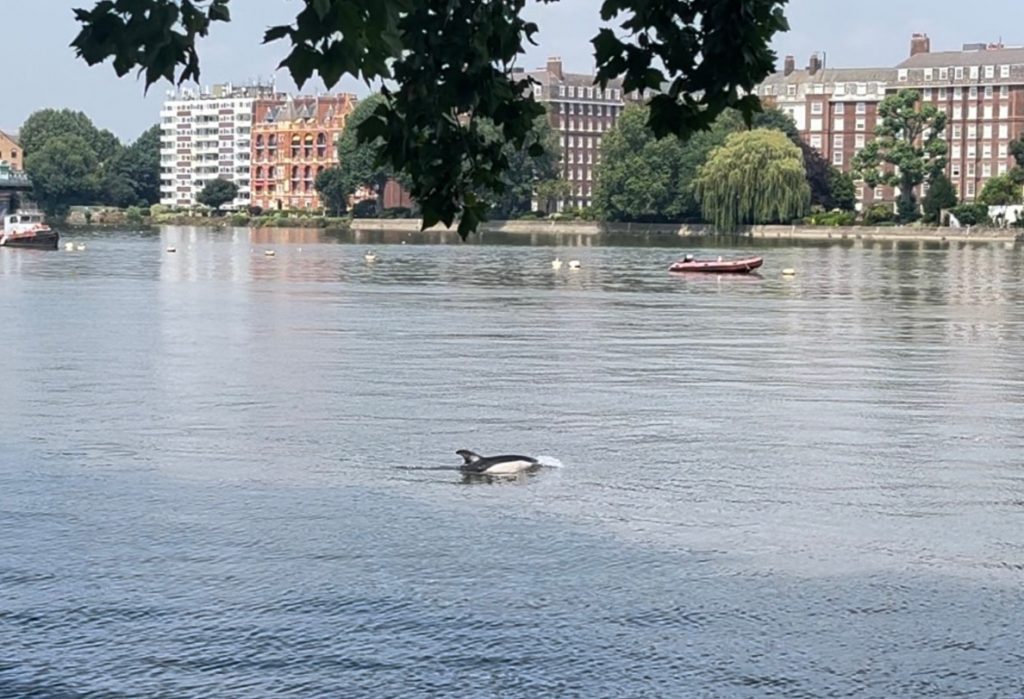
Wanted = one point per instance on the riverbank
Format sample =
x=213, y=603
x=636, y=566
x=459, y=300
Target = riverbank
x=106, y=218
x=810, y=233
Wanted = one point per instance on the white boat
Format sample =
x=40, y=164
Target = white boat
x=27, y=229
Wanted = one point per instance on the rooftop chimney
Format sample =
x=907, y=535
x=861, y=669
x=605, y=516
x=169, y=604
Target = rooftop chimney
x=555, y=66
x=789, y=65
x=920, y=43
x=815, y=65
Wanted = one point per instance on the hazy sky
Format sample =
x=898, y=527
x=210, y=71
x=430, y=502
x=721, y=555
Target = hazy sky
x=41, y=71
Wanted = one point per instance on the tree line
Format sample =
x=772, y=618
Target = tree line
x=73, y=162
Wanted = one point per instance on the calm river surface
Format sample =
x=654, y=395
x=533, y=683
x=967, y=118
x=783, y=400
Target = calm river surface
x=224, y=474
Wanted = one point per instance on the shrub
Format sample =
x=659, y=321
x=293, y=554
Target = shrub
x=971, y=214
x=133, y=214
x=879, y=213
x=365, y=209
x=832, y=218
x=239, y=220
x=396, y=212
x=255, y=210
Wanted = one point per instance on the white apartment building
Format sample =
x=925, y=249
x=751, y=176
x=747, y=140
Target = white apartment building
x=205, y=134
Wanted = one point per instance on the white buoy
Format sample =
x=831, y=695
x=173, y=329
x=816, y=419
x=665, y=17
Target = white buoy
x=172, y=249
x=69, y=246
x=80, y=246
x=789, y=272
x=370, y=256
x=574, y=264
x=556, y=264
x=269, y=253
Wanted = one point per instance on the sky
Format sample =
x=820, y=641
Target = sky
x=40, y=70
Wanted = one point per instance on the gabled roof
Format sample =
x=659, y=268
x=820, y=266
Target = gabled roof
x=827, y=76
x=13, y=135
x=984, y=57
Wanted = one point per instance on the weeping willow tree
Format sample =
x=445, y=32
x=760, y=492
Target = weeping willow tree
x=756, y=177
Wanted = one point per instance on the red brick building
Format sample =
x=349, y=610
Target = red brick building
x=835, y=110
x=981, y=90
x=293, y=140
x=581, y=113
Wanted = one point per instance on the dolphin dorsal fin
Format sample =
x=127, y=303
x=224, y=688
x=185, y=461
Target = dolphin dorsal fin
x=469, y=456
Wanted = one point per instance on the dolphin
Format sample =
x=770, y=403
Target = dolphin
x=504, y=465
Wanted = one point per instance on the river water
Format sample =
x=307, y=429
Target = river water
x=226, y=474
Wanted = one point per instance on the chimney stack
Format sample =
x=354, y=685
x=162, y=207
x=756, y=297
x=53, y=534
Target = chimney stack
x=920, y=43
x=789, y=65
x=815, y=65
x=555, y=67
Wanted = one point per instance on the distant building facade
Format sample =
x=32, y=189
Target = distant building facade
x=11, y=152
x=581, y=113
x=835, y=111
x=293, y=140
x=205, y=135
x=981, y=90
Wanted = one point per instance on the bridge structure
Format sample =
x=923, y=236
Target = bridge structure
x=12, y=184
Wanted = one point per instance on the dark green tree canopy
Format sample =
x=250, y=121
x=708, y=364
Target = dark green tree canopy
x=941, y=195
x=448, y=64
x=64, y=172
x=217, y=193
x=1000, y=191
x=908, y=148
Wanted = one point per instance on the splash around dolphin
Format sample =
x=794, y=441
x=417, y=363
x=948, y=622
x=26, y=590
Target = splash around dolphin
x=502, y=465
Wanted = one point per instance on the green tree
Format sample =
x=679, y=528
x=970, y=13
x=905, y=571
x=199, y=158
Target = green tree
x=47, y=124
x=756, y=177
x=640, y=177
x=359, y=163
x=138, y=166
x=842, y=190
x=64, y=172
x=527, y=167
x=331, y=185
x=217, y=193
x=941, y=195
x=550, y=192
x=444, y=59
x=908, y=148
x=1000, y=191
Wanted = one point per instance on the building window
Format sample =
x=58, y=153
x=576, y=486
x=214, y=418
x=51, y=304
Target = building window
x=972, y=92
x=990, y=72
x=988, y=92
x=839, y=124
x=927, y=73
x=958, y=112
x=878, y=194
x=816, y=141
x=861, y=124
x=902, y=75
x=988, y=111
x=837, y=141
x=816, y=108
x=1004, y=131
x=839, y=108
x=942, y=93
x=986, y=150
x=972, y=111
x=943, y=73
x=859, y=141
x=1004, y=111
x=1002, y=168
x=986, y=169
x=837, y=157
x=955, y=170
x=958, y=93
x=957, y=151
x=958, y=73
x=1004, y=71
x=1003, y=150
x=1004, y=91
x=862, y=108
x=860, y=194
x=970, y=168
x=791, y=90
x=927, y=93
x=970, y=190
x=972, y=131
